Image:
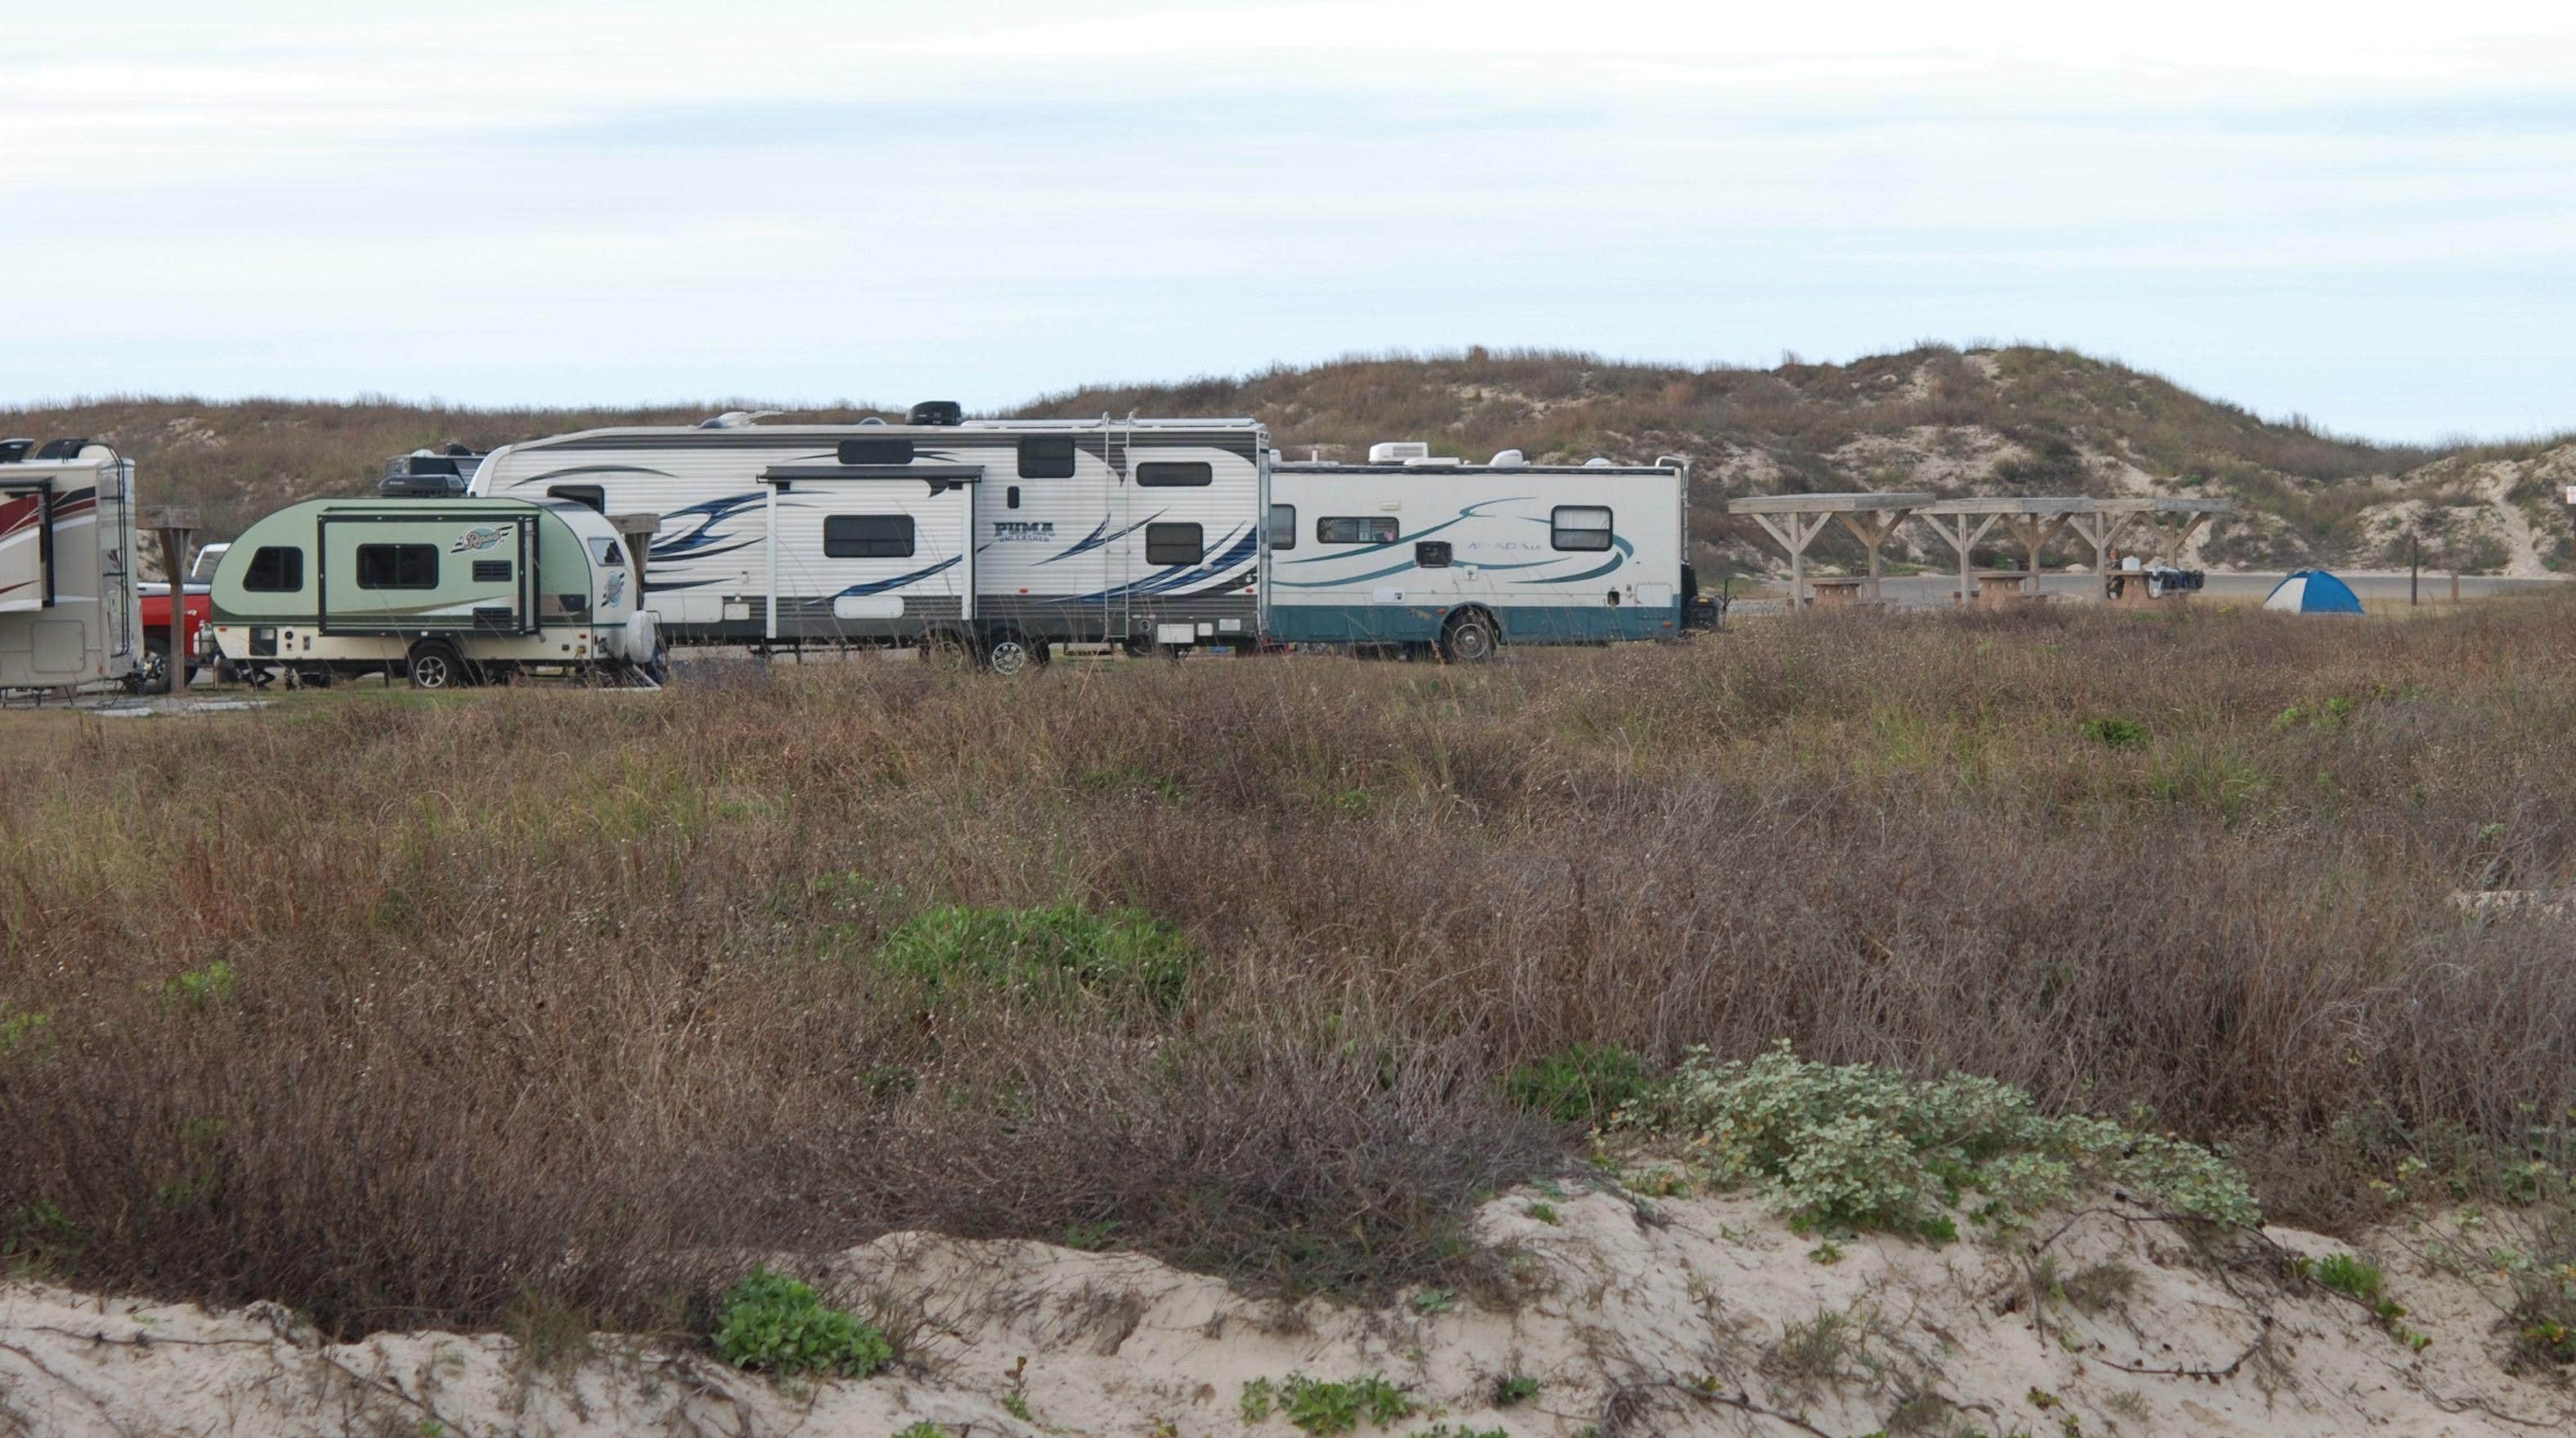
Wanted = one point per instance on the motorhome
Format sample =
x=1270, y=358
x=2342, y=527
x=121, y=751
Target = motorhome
x=1429, y=553
x=449, y=592
x=998, y=538
x=67, y=574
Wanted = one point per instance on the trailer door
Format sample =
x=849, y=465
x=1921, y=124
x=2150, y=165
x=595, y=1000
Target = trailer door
x=412, y=574
x=26, y=548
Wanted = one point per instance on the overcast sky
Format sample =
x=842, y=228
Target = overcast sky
x=2366, y=213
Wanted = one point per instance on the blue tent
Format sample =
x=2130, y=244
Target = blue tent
x=2313, y=591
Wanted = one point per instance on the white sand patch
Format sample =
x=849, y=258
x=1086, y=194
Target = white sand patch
x=1687, y=1316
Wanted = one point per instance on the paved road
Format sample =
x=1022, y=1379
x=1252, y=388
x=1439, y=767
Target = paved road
x=1920, y=591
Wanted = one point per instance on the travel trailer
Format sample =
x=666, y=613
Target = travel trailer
x=448, y=592
x=1425, y=553
x=999, y=538
x=67, y=576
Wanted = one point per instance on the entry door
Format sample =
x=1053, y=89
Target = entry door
x=26, y=536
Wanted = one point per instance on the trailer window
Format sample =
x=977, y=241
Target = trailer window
x=589, y=495
x=876, y=451
x=868, y=536
x=1174, y=544
x=275, y=569
x=1432, y=554
x=1046, y=456
x=1175, y=474
x=1283, y=526
x=1579, y=526
x=397, y=566
x=1357, y=529
x=606, y=553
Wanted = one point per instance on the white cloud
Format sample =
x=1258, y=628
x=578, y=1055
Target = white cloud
x=495, y=203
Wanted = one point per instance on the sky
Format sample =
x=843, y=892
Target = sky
x=2362, y=213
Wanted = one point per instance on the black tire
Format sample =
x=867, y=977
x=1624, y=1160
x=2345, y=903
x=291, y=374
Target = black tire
x=152, y=676
x=1008, y=652
x=435, y=664
x=313, y=678
x=948, y=651
x=1469, y=637
x=1137, y=648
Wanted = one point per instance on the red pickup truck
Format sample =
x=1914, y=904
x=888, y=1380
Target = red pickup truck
x=197, y=595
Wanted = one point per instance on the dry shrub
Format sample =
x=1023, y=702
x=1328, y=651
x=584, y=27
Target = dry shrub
x=565, y=999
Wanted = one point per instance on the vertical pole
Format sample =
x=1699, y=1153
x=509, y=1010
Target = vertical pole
x=2414, y=571
x=770, y=547
x=1798, y=563
x=2455, y=583
x=174, y=553
x=1965, y=583
x=1877, y=537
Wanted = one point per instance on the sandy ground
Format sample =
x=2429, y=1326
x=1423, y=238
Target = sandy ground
x=1696, y=1315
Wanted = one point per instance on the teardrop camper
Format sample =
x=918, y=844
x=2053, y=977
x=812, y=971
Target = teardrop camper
x=448, y=592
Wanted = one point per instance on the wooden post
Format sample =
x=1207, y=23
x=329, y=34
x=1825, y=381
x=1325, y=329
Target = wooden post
x=2414, y=571
x=1873, y=536
x=174, y=526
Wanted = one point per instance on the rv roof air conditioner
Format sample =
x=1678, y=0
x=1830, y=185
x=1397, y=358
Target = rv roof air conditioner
x=1398, y=451
x=1597, y=462
x=1509, y=459
x=730, y=419
x=941, y=412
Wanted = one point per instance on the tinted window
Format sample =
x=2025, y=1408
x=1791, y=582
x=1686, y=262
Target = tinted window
x=275, y=570
x=876, y=451
x=397, y=566
x=1174, y=544
x=585, y=494
x=1356, y=529
x=1046, y=456
x=1171, y=474
x=1579, y=526
x=1283, y=526
x=868, y=536
x=1432, y=554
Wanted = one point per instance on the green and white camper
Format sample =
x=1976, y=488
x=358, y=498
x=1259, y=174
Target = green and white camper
x=448, y=591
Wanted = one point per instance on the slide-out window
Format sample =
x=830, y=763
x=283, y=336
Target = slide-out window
x=397, y=566
x=1579, y=526
x=1046, y=456
x=1174, y=544
x=1356, y=529
x=1174, y=474
x=275, y=569
x=584, y=494
x=867, y=536
x=1283, y=526
x=876, y=451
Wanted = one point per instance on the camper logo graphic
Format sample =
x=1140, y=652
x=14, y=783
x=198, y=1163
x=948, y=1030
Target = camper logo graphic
x=614, y=590
x=481, y=537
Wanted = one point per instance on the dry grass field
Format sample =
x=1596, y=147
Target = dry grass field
x=413, y=1013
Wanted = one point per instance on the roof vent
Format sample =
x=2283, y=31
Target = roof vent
x=1597, y=462
x=730, y=419
x=1509, y=459
x=941, y=412
x=1398, y=451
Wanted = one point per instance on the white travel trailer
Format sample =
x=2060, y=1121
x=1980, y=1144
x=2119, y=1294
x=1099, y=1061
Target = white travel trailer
x=67, y=577
x=1001, y=537
x=1420, y=552
x=448, y=591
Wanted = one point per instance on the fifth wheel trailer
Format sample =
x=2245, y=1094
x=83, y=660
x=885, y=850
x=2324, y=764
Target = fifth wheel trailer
x=67, y=576
x=1006, y=536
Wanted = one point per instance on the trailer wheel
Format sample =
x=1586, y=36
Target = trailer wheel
x=1008, y=651
x=155, y=670
x=947, y=651
x=1469, y=637
x=435, y=664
